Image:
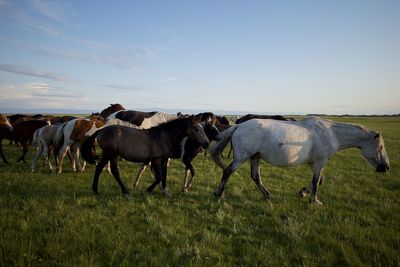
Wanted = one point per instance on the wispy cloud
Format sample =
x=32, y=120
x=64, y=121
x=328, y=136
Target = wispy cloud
x=124, y=87
x=125, y=56
x=4, y=3
x=31, y=71
x=169, y=79
x=37, y=95
x=54, y=10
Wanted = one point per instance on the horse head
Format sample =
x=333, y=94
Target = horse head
x=4, y=122
x=210, y=129
x=196, y=132
x=373, y=149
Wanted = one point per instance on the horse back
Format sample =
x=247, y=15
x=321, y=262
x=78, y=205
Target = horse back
x=280, y=143
x=134, y=117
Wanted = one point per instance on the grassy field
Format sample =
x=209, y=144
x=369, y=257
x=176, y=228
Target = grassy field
x=56, y=220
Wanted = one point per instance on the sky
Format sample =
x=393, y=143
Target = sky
x=230, y=57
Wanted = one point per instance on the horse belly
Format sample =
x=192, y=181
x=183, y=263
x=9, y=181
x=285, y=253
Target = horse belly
x=287, y=150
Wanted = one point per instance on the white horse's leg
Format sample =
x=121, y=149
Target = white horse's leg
x=255, y=175
x=61, y=156
x=185, y=181
x=316, y=181
x=38, y=153
x=46, y=156
x=141, y=170
x=228, y=171
x=75, y=155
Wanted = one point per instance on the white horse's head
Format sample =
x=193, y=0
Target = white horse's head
x=374, y=151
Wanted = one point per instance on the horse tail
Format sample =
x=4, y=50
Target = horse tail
x=222, y=141
x=59, y=138
x=87, y=151
x=35, y=138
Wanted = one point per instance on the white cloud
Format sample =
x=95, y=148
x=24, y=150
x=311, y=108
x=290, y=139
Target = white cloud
x=55, y=10
x=37, y=95
x=31, y=71
x=169, y=79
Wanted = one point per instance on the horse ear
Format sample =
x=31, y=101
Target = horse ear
x=377, y=135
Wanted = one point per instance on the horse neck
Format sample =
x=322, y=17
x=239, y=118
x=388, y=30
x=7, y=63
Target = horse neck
x=350, y=135
x=174, y=131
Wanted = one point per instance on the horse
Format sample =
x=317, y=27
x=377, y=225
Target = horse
x=71, y=135
x=144, y=120
x=290, y=143
x=153, y=145
x=62, y=119
x=111, y=109
x=44, y=139
x=23, y=133
x=5, y=132
x=258, y=116
x=186, y=151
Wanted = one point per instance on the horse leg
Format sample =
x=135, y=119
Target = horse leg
x=189, y=169
x=46, y=155
x=1, y=152
x=75, y=155
x=39, y=152
x=141, y=170
x=164, y=168
x=255, y=175
x=316, y=181
x=99, y=168
x=24, y=151
x=156, y=169
x=115, y=173
x=61, y=155
x=228, y=171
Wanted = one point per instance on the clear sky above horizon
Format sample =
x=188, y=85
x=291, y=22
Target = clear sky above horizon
x=333, y=57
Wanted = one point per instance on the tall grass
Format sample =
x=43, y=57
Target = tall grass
x=56, y=220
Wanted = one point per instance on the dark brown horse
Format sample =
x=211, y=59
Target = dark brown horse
x=5, y=132
x=153, y=145
x=186, y=151
x=111, y=109
x=23, y=133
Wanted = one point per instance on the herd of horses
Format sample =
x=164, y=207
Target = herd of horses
x=153, y=138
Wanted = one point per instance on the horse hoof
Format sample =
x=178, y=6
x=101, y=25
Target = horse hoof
x=185, y=189
x=166, y=193
x=304, y=192
x=219, y=195
x=316, y=202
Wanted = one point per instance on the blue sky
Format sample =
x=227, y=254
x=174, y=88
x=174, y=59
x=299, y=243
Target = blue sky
x=285, y=57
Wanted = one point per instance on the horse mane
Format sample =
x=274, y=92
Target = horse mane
x=171, y=123
x=116, y=121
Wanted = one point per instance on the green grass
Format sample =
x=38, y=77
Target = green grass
x=56, y=220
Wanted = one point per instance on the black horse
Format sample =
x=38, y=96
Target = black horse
x=154, y=145
x=186, y=151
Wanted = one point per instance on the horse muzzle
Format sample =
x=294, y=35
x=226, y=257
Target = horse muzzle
x=205, y=145
x=382, y=168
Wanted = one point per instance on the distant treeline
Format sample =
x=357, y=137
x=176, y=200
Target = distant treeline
x=348, y=115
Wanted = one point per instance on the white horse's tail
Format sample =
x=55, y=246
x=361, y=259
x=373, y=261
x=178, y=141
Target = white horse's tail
x=59, y=138
x=222, y=141
x=35, y=137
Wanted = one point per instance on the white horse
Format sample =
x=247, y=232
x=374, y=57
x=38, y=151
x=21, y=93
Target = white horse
x=44, y=139
x=287, y=143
